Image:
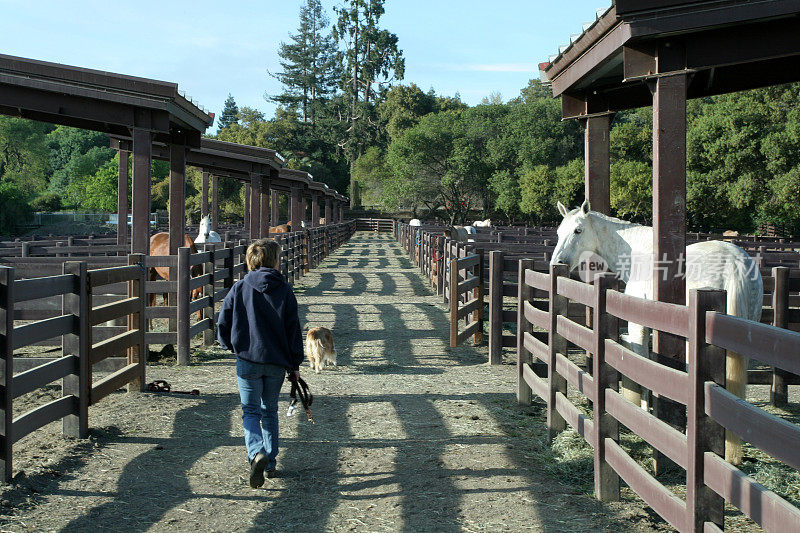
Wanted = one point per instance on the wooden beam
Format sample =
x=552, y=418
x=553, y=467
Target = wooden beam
x=274, y=201
x=597, y=162
x=255, y=206
x=177, y=197
x=296, y=207
x=247, y=206
x=214, y=202
x=142, y=150
x=314, y=210
x=122, y=198
x=328, y=211
x=204, y=204
x=265, y=219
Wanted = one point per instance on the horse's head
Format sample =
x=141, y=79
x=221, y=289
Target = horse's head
x=205, y=225
x=576, y=236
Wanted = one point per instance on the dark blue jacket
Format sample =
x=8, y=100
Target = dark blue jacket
x=259, y=322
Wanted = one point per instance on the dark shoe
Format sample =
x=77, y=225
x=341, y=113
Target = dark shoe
x=257, y=466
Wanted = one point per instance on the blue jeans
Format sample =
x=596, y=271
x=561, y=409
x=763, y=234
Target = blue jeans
x=259, y=387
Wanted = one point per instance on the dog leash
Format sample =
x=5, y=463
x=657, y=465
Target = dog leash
x=300, y=388
x=161, y=385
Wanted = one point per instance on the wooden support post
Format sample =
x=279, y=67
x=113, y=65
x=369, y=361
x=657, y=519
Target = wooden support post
x=478, y=293
x=495, y=307
x=142, y=160
x=454, y=303
x=315, y=210
x=265, y=220
x=669, y=222
x=184, y=275
x=247, y=209
x=605, y=326
x=209, y=267
x=779, y=393
x=703, y=434
x=275, y=213
x=296, y=208
x=328, y=211
x=204, y=193
x=255, y=206
x=78, y=343
x=597, y=162
x=557, y=344
x=137, y=322
x=340, y=218
x=7, y=375
x=524, y=393
x=177, y=197
x=122, y=198
x=214, y=202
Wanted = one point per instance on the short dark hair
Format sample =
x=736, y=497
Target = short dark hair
x=262, y=253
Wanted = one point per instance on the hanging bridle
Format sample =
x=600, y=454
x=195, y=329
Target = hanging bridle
x=300, y=388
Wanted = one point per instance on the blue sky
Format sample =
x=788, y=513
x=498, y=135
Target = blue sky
x=213, y=48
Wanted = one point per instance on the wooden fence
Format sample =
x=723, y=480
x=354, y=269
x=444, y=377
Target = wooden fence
x=378, y=225
x=74, y=325
x=466, y=285
x=710, y=481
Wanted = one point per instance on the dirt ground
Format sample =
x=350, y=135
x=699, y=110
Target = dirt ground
x=410, y=436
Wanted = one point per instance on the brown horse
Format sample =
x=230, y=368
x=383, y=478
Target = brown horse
x=283, y=228
x=159, y=245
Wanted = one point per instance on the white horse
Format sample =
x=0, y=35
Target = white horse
x=415, y=222
x=627, y=249
x=206, y=234
x=483, y=223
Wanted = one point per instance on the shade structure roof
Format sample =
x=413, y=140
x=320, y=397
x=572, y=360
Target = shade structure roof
x=96, y=100
x=723, y=45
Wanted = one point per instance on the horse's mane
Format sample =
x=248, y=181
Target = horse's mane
x=611, y=219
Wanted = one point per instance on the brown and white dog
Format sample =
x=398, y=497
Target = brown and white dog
x=320, y=349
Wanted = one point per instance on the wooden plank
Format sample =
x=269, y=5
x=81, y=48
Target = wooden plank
x=658, y=433
x=469, y=261
x=41, y=416
x=199, y=281
x=113, y=382
x=201, y=326
x=40, y=376
x=537, y=280
x=220, y=274
x=200, y=303
x=774, y=346
x=510, y=289
x=23, y=364
x=577, y=291
x=114, y=310
x=763, y=430
x=661, y=379
x=161, y=311
x=160, y=286
x=106, y=276
x=470, y=330
x=575, y=333
x=43, y=330
x=161, y=261
x=34, y=289
x=536, y=347
x=575, y=376
x=468, y=284
x=161, y=337
x=536, y=317
x=113, y=346
x=577, y=420
x=763, y=506
x=537, y=384
x=468, y=308
x=199, y=258
x=671, y=318
x=662, y=500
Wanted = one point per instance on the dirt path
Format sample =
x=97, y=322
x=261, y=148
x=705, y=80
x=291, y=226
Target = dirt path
x=410, y=436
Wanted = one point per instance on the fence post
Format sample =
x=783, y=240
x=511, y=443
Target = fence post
x=556, y=344
x=524, y=393
x=209, y=267
x=229, y=263
x=137, y=321
x=605, y=326
x=779, y=393
x=78, y=343
x=454, y=303
x=26, y=249
x=495, y=307
x=184, y=275
x=703, y=434
x=478, y=292
x=7, y=376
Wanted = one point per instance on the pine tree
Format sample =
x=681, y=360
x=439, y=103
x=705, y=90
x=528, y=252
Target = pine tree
x=373, y=62
x=310, y=64
x=230, y=113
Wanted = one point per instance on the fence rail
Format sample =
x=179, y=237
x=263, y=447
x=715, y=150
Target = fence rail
x=710, y=481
